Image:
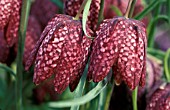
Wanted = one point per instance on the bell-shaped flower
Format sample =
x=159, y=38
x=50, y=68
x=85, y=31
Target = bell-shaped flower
x=62, y=51
x=120, y=44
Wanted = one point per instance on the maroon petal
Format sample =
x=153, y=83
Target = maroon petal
x=5, y=12
x=117, y=75
x=12, y=26
x=72, y=7
x=131, y=54
x=48, y=54
x=160, y=99
x=69, y=61
x=85, y=49
x=51, y=26
x=74, y=55
x=104, y=52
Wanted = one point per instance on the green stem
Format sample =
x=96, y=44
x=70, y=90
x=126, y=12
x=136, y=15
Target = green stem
x=155, y=51
x=100, y=18
x=166, y=67
x=152, y=27
x=21, y=39
x=80, y=88
x=130, y=8
x=7, y=69
x=134, y=98
x=80, y=10
x=108, y=96
x=168, y=10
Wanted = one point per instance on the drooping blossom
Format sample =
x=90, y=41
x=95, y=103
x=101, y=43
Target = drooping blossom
x=120, y=44
x=72, y=7
x=9, y=19
x=160, y=99
x=62, y=51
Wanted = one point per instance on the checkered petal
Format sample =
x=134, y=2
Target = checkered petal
x=124, y=48
x=72, y=7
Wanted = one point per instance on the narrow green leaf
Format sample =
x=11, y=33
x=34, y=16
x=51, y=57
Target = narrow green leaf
x=100, y=18
x=168, y=9
x=167, y=65
x=79, y=90
x=102, y=99
x=155, y=52
x=149, y=8
x=7, y=69
x=151, y=28
x=79, y=101
x=59, y=3
x=116, y=10
x=85, y=15
x=110, y=88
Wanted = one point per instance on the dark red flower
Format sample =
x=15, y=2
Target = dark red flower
x=72, y=7
x=9, y=19
x=62, y=50
x=160, y=99
x=43, y=10
x=120, y=44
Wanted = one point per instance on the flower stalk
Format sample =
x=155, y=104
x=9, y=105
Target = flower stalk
x=130, y=8
x=134, y=98
x=80, y=10
x=21, y=39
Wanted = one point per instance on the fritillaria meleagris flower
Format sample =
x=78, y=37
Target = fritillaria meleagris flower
x=160, y=99
x=120, y=44
x=40, y=9
x=72, y=7
x=62, y=50
x=9, y=19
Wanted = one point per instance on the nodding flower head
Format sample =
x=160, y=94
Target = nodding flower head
x=160, y=99
x=120, y=44
x=62, y=51
x=72, y=7
x=9, y=19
